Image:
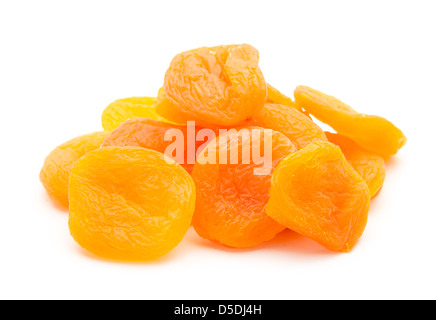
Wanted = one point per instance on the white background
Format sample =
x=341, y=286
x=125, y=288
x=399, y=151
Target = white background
x=62, y=62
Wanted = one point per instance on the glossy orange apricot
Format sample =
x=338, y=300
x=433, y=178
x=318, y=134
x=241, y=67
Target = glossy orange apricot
x=55, y=173
x=231, y=196
x=370, y=166
x=220, y=85
x=129, y=203
x=372, y=133
x=317, y=193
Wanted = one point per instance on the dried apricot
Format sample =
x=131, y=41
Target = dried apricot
x=370, y=166
x=231, y=195
x=55, y=172
x=372, y=133
x=292, y=123
x=130, y=108
x=317, y=193
x=220, y=85
x=129, y=203
x=150, y=134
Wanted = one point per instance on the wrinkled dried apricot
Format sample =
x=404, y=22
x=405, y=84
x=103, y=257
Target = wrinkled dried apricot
x=130, y=108
x=372, y=133
x=317, y=193
x=55, y=172
x=371, y=167
x=150, y=134
x=292, y=123
x=223, y=149
x=220, y=85
x=129, y=203
x=231, y=197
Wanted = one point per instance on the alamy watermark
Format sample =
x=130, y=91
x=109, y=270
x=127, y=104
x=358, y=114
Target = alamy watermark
x=222, y=146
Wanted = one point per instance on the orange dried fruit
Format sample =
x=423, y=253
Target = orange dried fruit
x=150, y=134
x=220, y=85
x=231, y=195
x=372, y=133
x=370, y=166
x=129, y=108
x=292, y=123
x=129, y=203
x=55, y=172
x=317, y=193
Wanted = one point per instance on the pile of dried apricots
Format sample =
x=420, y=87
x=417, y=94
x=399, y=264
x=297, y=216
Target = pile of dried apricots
x=128, y=200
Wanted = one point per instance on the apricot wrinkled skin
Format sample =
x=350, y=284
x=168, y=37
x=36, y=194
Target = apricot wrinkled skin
x=317, y=193
x=231, y=198
x=150, y=134
x=129, y=203
x=171, y=114
x=371, y=167
x=372, y=133
x=220, y=85
x=129, y=108
x=55, y=172
x=167, y=110
x=295, y=125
